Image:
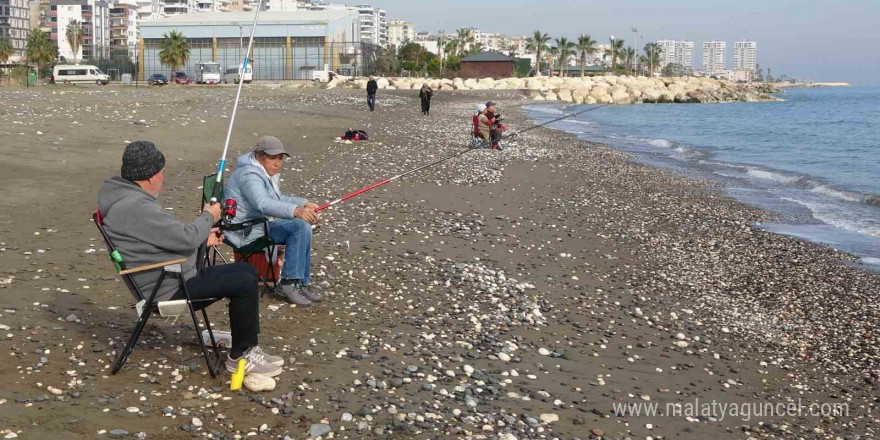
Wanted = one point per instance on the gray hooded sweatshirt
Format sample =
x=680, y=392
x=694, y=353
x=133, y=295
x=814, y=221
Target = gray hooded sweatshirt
x=144, y=233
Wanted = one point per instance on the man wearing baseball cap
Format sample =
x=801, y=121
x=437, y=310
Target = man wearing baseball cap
x=145, y=234
x=256, y=186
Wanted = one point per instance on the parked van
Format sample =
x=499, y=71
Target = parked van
x=234, y=75
x=208, y=73
x=79, y=73
x=326, y=75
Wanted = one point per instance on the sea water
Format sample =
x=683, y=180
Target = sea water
x=813, y=158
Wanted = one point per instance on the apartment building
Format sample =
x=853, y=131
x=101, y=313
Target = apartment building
x=400, y=31
x=714, y=58
x=677, y=52
x=94, y=16
x=15, y=23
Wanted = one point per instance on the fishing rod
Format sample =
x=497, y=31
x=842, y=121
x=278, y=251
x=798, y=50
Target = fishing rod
x=218, y=183
x=389, y=180
x=555, y=120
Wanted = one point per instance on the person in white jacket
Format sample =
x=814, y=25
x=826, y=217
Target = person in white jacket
x=256, y=186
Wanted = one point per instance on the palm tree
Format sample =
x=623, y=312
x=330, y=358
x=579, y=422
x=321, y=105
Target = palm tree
x=564, y=49
x=538, y=43
x=629, y=55
x=476, y=48
x=615, y=52
x=6, y=50
x=465, y=39
x=174, y=50
x=75, y=36
x=651, y=58
x=40, y=50
x=451, y=47
x=586, y=46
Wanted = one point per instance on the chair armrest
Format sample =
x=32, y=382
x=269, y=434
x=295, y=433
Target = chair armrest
x=245, y=224
x=152, y=266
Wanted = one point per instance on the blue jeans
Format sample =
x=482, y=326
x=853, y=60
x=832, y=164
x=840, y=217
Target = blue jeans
x=296, y=236
x=371, y=101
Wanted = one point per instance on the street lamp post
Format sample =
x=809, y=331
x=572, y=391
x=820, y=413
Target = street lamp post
x=613, y=59
x=636, y=42
x=239, y=42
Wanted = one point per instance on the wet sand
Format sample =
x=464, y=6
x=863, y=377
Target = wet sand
x=482, y=298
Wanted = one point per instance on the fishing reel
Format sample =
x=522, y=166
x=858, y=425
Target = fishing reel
x=228, y=210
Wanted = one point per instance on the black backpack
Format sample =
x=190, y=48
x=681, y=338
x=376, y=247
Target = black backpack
x=355, y=135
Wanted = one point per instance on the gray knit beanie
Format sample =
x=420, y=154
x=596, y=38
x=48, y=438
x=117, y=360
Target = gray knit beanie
x=141, y=160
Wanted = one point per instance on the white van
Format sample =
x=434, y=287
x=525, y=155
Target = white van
x=79, y=73
x=208, y=73
x=234, y=75
x=326, y=75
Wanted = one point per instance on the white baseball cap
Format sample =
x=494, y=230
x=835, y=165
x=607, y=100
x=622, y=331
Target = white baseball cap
x=481, y=107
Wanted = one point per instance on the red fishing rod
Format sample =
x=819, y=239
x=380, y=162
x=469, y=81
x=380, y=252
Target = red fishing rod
x=389, y=180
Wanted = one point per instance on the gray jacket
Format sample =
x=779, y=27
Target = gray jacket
x=257, y=195
x=144, y=233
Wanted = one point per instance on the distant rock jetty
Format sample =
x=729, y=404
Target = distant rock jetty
x=592, y=90
x=808, y=85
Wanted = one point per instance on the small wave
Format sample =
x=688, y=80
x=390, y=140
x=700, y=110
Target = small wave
x=833, y=215
x=771, y=175
x=662, y=143
x=681, y=149
x=871, y=260
x=837, y=194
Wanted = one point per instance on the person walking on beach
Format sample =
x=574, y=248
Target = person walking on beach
x=425, y=95
x=372, y=86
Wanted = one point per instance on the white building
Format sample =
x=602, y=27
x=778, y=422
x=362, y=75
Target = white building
x=677, y=52
x=714, y=58
x=374, y=24
x=400, y=31
x=150, y=9
x=745, y=55
x=94, y=15
x=177, y=7
x=15, y=24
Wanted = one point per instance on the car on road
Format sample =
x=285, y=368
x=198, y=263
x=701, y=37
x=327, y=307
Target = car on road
x=181, y=78
x=157, y=79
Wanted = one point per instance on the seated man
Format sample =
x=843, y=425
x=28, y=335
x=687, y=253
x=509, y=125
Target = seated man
x=487, y=125
x=256, y=186
x=481, y=109
x=144, y=234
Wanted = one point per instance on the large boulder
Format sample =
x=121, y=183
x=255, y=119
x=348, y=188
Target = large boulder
x=332, y=84
x=620, y=96
x=470, y=83
x=651, y=95
x=565, y=95
x=589, y=100
x=382, y=83
x=550, y=96
x=533, y=84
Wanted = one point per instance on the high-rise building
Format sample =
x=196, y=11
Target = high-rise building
x=677, y=52
x=124, y=27
x=94, y=17
x=745, y=55
x=374, y=25
x=150, y=9
x=15, y=23
x=714, y=58
x=400, y=31
x=177, y=7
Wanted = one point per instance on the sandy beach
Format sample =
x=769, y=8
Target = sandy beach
x=523, y=294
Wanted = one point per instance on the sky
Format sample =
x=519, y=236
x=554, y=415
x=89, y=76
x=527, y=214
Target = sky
x=808, y=39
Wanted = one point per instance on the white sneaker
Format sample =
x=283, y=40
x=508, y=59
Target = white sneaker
x=275, y=360
x=256, y=363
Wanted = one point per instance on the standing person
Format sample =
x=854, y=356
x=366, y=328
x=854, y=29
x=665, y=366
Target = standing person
x=425, y=95
x=256, y=186
x=145, y=234
x=372, y=86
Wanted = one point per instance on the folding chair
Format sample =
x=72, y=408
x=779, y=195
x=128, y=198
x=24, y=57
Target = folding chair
x=252, y=251
x=147, y=306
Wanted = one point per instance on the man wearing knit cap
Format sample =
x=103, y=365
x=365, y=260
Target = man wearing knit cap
x=256, y=186
x=144, y=234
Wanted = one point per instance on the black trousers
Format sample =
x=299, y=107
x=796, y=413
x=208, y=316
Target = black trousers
x=238, y=283
x=426, y=106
